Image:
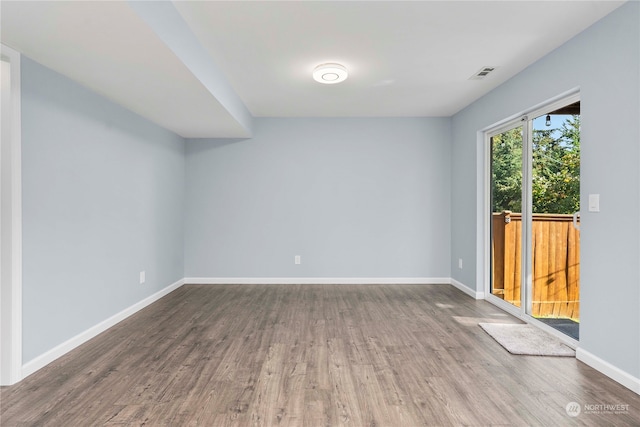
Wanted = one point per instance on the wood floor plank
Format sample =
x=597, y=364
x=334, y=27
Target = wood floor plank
x=343, y=391
x=310, y=355
x=263, y=409
x=375, y=411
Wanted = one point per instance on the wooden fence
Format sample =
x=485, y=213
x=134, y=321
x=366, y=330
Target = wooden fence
x=556, y=263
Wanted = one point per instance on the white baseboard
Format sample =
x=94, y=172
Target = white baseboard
x=60, y=350
x=613, y=372
x=467, y=290
x=317, y=280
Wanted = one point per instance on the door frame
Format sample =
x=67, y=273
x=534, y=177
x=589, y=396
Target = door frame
x=523, y=119
x=11, y=217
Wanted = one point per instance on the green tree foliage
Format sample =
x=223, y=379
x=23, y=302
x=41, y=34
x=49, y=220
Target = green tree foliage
x=507, y=171
x=556, y=169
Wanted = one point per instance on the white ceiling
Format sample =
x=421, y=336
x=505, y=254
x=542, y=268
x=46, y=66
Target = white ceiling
x=404, y=58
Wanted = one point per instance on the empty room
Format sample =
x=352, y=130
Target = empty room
x=320, y=213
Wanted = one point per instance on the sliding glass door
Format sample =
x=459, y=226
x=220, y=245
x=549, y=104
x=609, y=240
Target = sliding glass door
x=534, y=223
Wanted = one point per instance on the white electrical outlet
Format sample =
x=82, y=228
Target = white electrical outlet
x=297, y=259
x=143, y=277
x=460, y=263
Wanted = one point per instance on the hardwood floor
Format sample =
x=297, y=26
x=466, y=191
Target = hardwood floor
x=311, y=355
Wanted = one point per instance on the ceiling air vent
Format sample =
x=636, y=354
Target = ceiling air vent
x=484, y=71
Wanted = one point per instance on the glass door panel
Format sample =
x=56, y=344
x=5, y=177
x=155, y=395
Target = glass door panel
x=555, y=234
x=506, y=208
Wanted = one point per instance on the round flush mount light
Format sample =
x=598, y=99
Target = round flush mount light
x=330, y=73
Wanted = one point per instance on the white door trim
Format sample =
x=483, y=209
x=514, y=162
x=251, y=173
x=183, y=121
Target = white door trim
x=11, y=364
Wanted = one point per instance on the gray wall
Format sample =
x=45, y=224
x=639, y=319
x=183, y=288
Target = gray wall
x=102, y=201
x=353, y=197
x=603, y=62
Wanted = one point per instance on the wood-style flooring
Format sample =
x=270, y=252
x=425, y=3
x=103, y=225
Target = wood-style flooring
x=311, y=355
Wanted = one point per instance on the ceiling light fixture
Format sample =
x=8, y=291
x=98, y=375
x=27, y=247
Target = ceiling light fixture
x=330, y=73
